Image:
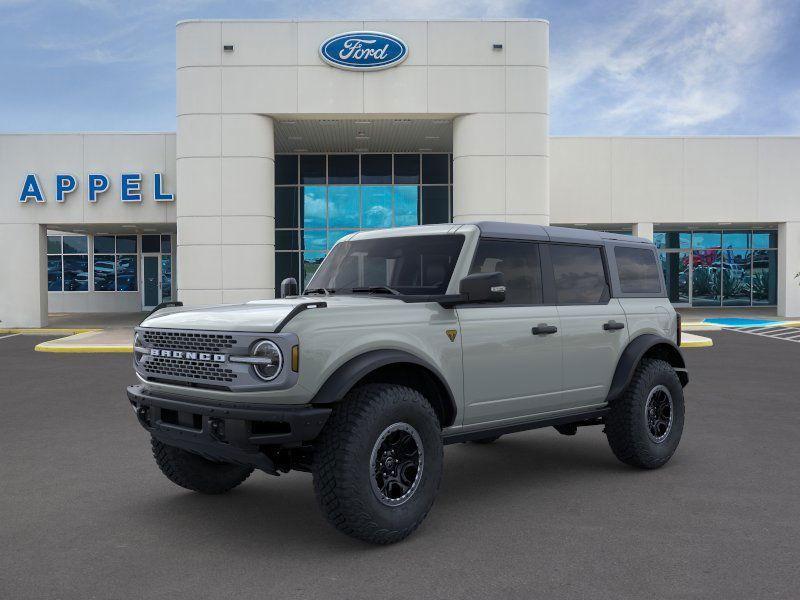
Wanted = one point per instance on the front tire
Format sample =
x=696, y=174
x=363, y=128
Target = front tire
x=378, y=463
x=193, y=472
x=645, y=425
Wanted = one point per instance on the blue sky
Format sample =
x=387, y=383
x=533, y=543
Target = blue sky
x=617, y=67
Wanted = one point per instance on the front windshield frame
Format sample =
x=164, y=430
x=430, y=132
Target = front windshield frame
x=391, y=272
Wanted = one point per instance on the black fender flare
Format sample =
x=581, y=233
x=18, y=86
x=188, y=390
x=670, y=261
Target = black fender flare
x=634, y=352
x=351, y=372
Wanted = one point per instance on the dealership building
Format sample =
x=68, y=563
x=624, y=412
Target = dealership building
x=291, y=135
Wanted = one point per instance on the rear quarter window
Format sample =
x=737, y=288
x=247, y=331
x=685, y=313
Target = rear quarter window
x=638, y=270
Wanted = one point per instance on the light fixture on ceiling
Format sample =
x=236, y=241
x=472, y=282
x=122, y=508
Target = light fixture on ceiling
x=360, y=149
x=728, y=223
x=426, y=149
x=128, y=226
x=441, y=121
x=288, y=122
x=328, y=121
x=363, y=122
x=301, y=150
x=432, y=137
x=402, y=121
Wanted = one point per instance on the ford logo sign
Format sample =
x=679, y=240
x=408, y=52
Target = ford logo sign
x=363, y=50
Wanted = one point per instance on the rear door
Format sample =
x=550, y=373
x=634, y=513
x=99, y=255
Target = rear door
x=510, y=371
x=593, y=324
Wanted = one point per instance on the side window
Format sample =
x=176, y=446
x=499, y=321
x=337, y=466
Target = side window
x=638, y=271
x=519, y=264
x=579, y=274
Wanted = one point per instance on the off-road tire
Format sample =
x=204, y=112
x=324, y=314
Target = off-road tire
x=626, y=423
x=193, y=472
x=342, y=462
x=487, y=440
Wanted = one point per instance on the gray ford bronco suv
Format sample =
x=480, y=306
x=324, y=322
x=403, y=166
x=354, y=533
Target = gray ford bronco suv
x=406, y=340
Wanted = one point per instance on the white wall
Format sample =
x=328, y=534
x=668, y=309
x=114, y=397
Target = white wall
x=23, y=300
x=226, y=102
x=675, y=180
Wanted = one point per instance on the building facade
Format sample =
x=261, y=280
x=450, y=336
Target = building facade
x=293, y=134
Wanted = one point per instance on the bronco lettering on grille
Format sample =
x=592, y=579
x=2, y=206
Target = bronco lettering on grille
x=202, y=356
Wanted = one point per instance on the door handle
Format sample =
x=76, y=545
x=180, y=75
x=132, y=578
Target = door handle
x=544, y=329
x=612, y=325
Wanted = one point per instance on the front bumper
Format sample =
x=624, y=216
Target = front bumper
x=229, y=432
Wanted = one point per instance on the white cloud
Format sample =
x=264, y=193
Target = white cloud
x=669, y=69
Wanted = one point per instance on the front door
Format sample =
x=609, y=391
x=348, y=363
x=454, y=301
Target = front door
x=511, y=351
x=151, y=288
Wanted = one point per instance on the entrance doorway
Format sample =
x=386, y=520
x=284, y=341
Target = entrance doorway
x=156, y=270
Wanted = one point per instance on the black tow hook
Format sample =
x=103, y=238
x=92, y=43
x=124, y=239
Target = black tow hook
x=143, y=414
x=217, y=428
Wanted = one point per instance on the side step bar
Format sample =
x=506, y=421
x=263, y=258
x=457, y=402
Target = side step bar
x=593, y=417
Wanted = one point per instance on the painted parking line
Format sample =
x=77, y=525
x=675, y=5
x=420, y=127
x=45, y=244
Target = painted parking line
x=789, y=334
x=2, y=337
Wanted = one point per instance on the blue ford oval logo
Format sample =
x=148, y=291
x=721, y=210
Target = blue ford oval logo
x=363, y=50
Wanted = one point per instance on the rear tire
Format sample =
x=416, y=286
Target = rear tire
x=193, y=472
x=645, y=424
x=378, y=463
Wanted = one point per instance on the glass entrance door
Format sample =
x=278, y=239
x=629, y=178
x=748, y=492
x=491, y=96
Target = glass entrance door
x=151, y=288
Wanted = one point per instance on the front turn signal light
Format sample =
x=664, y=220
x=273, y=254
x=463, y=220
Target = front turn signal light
x=296, y=358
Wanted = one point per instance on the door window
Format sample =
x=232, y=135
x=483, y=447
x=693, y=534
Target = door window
x=579, y=274
x=519, y=264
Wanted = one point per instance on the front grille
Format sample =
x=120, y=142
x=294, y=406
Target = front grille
x=191, y=341
x=190, y=369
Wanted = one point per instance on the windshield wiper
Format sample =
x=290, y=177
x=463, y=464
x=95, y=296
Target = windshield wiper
x=375, y=289
x=321, y=290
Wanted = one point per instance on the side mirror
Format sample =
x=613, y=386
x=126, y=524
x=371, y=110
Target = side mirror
x=483, y=287
x=289, y=287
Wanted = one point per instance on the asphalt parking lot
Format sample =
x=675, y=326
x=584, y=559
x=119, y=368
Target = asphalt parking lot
x=84, y=512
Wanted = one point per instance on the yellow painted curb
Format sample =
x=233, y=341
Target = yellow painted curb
x=46, y=331
x=47, y=347
x=698, y=342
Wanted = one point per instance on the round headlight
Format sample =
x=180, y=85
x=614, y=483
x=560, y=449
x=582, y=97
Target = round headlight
x=267, y=369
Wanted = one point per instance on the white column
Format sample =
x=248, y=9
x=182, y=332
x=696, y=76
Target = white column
x=500, y=168
x=23, y=271
x=788, y=266
x=226, y=224
x=643, y=230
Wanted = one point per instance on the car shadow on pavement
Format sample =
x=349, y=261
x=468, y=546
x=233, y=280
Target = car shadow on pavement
x=265, y=511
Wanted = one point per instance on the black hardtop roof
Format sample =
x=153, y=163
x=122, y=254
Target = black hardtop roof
x=523, y=231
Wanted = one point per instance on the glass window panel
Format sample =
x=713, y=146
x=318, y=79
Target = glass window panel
x=706, y=239
x=76, y=273
x=285, y=169
x=736, y=277
x=54, y=280
x=75, y=244
x=166, y=278
x=312, y=168
x=311, y=262
x=126, y=244
x=676, y=275
x=672, y=239
x=406, y=168
x=519, y=264
x=765, y=277
x=579, y=274
x=376, y=168
x=638, y=271
x=765, y=239
x=166, y=244
x=286, y=265
x=343, y=206
x=706, y=277
x=103, y=272
x=736, y=239
x=104, y=244
x=314, y=206
x=406, y=205
x=286, y=207
x=286, y=240
x=54, y=244
x=376, y=206
x=314, y=239
x=434, y=168
x=126, y=273
x=343, y=168
x=435, y=205
x=334, y=235
x=150, y=243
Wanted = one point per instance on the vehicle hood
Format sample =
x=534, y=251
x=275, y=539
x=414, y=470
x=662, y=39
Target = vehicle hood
x=258, y=316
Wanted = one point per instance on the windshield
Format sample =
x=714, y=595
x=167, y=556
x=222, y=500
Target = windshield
x=410, y=265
